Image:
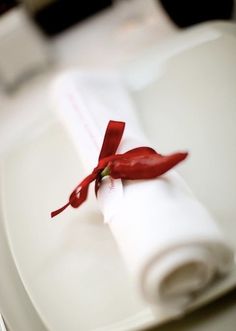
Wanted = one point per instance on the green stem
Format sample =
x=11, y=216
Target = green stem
x=105, y=172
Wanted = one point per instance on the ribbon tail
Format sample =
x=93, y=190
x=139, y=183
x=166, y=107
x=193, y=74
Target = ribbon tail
x=79, y=195
x=76, y=199
x=60, y=210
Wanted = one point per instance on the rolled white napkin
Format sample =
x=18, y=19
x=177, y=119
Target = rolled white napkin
x=170, y=243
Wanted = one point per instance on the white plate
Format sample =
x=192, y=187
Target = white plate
x=70, y=267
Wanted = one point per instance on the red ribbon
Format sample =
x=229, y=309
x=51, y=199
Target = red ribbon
x=137, y=163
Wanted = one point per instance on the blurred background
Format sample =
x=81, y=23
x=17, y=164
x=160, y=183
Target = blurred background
x=40, y=38
x=30, y=31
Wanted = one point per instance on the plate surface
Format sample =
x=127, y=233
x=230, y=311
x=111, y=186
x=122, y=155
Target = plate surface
x=70, y=266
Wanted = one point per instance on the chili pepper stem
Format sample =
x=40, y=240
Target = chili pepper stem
x=105, y=172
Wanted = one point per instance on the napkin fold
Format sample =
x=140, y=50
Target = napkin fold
x=171, y=244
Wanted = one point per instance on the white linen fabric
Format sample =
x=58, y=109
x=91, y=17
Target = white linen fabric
x=171, y=244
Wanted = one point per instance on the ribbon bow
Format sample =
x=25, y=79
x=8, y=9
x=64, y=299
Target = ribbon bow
x=137, y=163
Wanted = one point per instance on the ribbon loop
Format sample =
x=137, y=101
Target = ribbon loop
x=112, y=138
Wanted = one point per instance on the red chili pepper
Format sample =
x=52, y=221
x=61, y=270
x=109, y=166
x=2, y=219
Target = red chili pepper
x=137, y=163
x=143, y=166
